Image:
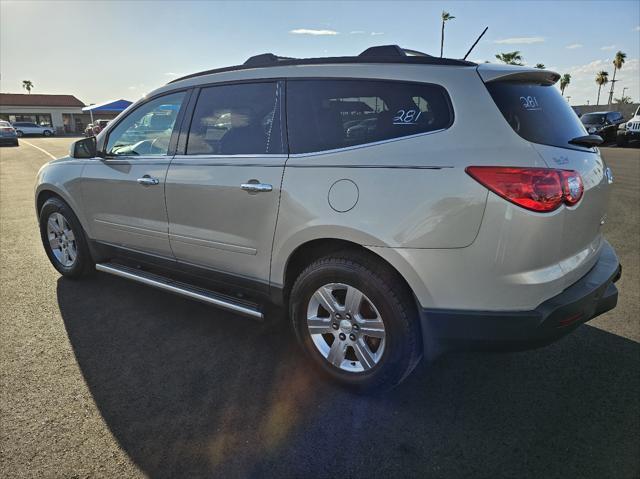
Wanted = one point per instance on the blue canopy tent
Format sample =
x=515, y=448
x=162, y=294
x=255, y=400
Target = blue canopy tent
x=114, y=106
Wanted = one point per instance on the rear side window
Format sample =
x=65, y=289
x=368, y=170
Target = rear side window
x=538, y=113
x=330, y=114
x=237, y=119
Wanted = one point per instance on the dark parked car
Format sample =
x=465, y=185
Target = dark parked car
x=8, y=135
x=603, y=123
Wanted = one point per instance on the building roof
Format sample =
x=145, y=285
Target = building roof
x=35, y=99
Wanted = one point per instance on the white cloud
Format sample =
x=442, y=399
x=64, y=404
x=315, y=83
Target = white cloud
x=374, y=34
x=583, y=86
x=588, y=68
x=519, y=40
x=573, y=46
x=357, y=32
x=311, y=31
x=139, y=86
x=608, y=47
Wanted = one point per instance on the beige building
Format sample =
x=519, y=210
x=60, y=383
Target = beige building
x=63, y=112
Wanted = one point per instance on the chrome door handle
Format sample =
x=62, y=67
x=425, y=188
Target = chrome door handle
x=256, y=187
x=146, y=180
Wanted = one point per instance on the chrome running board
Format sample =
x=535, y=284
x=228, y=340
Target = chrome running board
x=183, y=289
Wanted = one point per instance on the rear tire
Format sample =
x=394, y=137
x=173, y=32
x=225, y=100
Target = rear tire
x=64, y=240
x=19, y=134
x=46, y=133
x=371, y=346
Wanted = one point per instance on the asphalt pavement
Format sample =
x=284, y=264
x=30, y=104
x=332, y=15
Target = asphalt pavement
x=107, y=378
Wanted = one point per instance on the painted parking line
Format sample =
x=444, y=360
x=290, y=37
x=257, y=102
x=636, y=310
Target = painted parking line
x=38, y=148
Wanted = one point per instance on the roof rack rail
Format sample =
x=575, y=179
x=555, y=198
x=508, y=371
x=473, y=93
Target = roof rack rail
x=377, y=54
x=265, y=59
x=391, y=51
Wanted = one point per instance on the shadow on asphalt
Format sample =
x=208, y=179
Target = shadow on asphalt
x=190, y=391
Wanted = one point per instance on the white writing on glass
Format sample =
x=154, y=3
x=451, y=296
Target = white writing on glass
x=406, y=117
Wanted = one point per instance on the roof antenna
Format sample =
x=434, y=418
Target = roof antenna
x=476, y=42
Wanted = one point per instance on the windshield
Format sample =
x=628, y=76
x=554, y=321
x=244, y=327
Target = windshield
x=538, y=113
x=593, y=119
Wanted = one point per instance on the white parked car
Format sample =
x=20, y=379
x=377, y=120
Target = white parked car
x=631, y=131
x=26, y=128
x=426, y=230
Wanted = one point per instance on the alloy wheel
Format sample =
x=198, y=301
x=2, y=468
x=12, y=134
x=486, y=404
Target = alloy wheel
x=346, y=327
x=62, y=240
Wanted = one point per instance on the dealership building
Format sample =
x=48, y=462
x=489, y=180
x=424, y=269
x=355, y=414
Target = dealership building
x=65, y=113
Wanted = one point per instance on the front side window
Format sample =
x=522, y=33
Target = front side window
x=331, y=114
x=146, y=130
x=237, y=119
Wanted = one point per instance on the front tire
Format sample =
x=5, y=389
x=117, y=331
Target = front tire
x=19, y=134
x=64, y=240
x=46, y=133
x=357, y=321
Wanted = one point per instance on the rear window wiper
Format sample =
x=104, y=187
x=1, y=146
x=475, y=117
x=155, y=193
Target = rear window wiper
x=587, y=140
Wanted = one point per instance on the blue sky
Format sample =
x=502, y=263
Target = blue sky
x=99, y=51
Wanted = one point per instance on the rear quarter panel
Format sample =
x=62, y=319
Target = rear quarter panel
x=413, y=192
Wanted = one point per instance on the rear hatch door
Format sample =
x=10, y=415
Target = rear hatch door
x=535, y=109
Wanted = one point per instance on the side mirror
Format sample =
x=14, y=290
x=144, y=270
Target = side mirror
x=85, y=148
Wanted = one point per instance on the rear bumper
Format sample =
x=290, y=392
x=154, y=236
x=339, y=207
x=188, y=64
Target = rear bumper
x=8, y=140
x=592, y=295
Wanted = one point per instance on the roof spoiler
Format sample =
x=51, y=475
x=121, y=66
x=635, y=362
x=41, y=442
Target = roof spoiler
x=491, y=72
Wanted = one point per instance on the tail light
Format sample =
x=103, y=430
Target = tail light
x=536, y=189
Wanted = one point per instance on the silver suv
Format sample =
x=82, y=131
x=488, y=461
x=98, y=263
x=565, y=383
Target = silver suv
x=398, y=205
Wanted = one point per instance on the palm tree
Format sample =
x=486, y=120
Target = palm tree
x=602, y=78
x=27, y=85
x=510, y=58
x=564, y=82
x=446, y=16
x=618, y=61
x=540, y=66
x=624, y=100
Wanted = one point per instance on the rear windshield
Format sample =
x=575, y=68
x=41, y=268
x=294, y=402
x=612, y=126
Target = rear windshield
x=593, y=119
x=538, y=113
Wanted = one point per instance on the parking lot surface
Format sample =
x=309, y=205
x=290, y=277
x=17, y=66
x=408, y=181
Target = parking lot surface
x=107, y=378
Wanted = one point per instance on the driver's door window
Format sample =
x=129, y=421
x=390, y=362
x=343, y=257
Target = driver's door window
x=147, y=130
